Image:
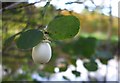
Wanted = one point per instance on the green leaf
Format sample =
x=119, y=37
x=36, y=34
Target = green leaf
x=42, y=74
x=49, y=68
x=63, y=27
x=63, y=66
x=68, y=48
x=91, y=66
x=73, y=61
x=104, y=54
x=66, y=78
x=29, y=39
x=76, y=73
x=61, y=69
x=104, y=61
x=85, y=46
x=9, y=40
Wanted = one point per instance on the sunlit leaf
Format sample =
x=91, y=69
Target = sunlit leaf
x=29, y=39
x=63, y=27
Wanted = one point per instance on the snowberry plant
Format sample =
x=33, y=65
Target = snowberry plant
x=60, y=28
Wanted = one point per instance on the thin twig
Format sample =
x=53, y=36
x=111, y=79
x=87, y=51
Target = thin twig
x=93, y=3
x=74, y=2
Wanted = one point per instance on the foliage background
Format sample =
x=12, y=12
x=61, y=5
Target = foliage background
x=91, y=43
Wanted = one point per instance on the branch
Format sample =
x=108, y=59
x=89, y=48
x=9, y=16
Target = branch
x=93, y=2
x=74, y=2
x=9, y=7
x=13, y=6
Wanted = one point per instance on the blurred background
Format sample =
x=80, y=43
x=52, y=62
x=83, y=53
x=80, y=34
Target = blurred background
x=91, y=56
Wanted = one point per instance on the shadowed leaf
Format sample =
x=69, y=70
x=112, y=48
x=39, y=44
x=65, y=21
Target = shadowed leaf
x=29, y=39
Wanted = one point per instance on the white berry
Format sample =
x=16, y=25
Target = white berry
x=41, y=53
